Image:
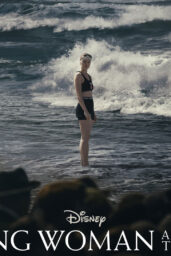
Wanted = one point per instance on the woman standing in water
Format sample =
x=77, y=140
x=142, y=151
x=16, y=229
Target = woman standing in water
x=85, y=107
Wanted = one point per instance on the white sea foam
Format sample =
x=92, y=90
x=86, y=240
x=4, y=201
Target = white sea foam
x=124, y=80
x=129, y=15
x=126, y=15
x=14, y=21
x=4, y=60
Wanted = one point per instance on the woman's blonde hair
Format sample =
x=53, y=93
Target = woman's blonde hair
x=85, y=55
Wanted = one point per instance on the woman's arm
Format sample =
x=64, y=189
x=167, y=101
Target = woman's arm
x=77, y=83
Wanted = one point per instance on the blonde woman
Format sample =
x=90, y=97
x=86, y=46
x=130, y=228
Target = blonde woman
x=85, y=107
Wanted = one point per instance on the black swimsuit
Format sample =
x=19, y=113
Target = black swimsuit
x=88, y=101
x=87, y=84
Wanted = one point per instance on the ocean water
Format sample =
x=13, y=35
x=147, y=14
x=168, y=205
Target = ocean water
x=40, y=45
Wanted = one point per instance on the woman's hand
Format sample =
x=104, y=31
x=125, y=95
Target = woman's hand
x=87, y=115
x=95, y=118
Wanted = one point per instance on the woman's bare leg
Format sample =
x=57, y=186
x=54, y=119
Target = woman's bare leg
x=85, y=127
x=89, y=132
